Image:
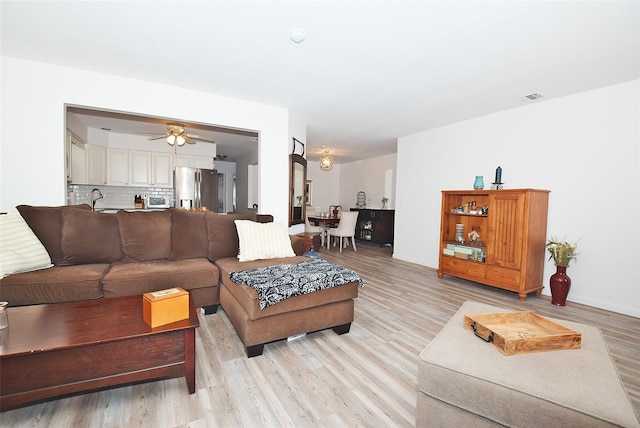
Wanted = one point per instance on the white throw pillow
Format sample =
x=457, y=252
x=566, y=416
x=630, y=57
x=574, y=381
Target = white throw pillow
x=263, y=240
x=20, y=249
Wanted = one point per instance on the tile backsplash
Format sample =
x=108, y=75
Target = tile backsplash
x=115, y=197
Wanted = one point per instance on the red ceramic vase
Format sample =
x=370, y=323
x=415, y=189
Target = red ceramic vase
x=560, y=284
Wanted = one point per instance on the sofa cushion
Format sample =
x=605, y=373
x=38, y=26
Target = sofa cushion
x=146, y=235
x=222, y=234
x=46, y=223
x=263, y=240
x=131, y=278
x=20, y=249
x=89, y=237
x=188, y=234
x=54, y=285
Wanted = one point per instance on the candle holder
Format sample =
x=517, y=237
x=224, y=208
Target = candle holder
x=497, y=184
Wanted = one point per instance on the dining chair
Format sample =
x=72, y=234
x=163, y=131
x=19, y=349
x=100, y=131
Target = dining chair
x=312, y=228
x=346, y=229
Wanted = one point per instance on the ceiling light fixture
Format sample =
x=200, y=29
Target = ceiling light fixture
x=326, y=160
x=176, y=136
x=297, y=36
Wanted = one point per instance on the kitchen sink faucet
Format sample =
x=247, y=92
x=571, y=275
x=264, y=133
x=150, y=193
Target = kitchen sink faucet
x=95, y=198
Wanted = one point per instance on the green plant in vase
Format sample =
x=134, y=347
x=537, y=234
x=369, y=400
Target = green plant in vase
x=562, y=252
x=384, y=202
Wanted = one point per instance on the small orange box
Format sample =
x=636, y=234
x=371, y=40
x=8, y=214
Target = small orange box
x=165, y=306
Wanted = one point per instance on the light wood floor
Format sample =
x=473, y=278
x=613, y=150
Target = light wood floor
x=366, y=378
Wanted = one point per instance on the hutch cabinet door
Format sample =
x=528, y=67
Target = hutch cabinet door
x=506, y=227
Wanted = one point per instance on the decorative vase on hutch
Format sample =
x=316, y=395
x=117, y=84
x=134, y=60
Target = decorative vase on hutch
x=560, y=284
x=479, y=183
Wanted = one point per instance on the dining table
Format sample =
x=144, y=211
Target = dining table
x=325, y=222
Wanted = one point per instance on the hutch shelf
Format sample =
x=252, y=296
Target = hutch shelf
x=375, y=225
x=495, y=237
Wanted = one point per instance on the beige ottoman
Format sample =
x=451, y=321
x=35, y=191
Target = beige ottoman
x=463, y=381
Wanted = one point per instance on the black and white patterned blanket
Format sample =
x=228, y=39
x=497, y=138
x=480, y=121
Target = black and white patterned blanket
x=277, y=283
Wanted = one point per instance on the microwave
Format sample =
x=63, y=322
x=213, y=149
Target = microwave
x=157, y=202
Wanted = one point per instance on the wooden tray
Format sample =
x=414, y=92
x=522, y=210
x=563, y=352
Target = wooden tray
x=524, y=332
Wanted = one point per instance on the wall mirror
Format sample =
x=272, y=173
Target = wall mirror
x=297, y=189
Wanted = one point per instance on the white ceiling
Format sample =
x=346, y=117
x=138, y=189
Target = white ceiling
x=367, y=73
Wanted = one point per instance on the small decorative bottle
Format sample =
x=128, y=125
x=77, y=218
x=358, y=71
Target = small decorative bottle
x=4, y=319
x=479, y=183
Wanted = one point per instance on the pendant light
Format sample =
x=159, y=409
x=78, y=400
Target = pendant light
x=326, y=160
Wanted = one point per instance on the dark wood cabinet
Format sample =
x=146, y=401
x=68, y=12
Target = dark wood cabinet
x=375, y=225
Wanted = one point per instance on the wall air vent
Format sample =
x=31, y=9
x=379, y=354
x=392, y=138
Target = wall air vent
x=531, y=97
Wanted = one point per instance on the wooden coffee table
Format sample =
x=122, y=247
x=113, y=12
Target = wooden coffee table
x=65, y=348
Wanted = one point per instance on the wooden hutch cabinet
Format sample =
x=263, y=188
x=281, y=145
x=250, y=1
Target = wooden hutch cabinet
x=507, y=249
x=375, y=225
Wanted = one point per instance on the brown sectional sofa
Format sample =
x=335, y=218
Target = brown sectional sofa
x=98, y=255
x=102, y=255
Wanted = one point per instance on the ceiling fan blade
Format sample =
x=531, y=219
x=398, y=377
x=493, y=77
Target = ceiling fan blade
x=151, y=133
x=158, y=137
x=187, y=139
x=200, y=138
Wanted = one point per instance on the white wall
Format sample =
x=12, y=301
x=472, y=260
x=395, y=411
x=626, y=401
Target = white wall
x=584, y=148
x=297, y=130
x=341, y=184
x=369, y=176
x=33, y=129
x=326, y=186
x=137, y=142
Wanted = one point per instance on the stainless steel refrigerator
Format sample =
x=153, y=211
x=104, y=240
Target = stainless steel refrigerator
x=195, y=188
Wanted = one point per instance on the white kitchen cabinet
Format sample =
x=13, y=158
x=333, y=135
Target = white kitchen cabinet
x=117, y=167
x=204, y=162
x=76, y=160
x=96, y=164
x=184, y=160
x=139, y=168
x=162, y=170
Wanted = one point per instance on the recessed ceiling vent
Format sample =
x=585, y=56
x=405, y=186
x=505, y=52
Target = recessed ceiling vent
x=531, y=97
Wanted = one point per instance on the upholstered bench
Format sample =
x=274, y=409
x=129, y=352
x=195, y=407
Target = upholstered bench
x=464, y=381
x=329, y=308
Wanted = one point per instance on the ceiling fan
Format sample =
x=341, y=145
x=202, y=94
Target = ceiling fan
x=176, y=135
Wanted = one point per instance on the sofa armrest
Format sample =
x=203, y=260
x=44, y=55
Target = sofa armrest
x=297, y=243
